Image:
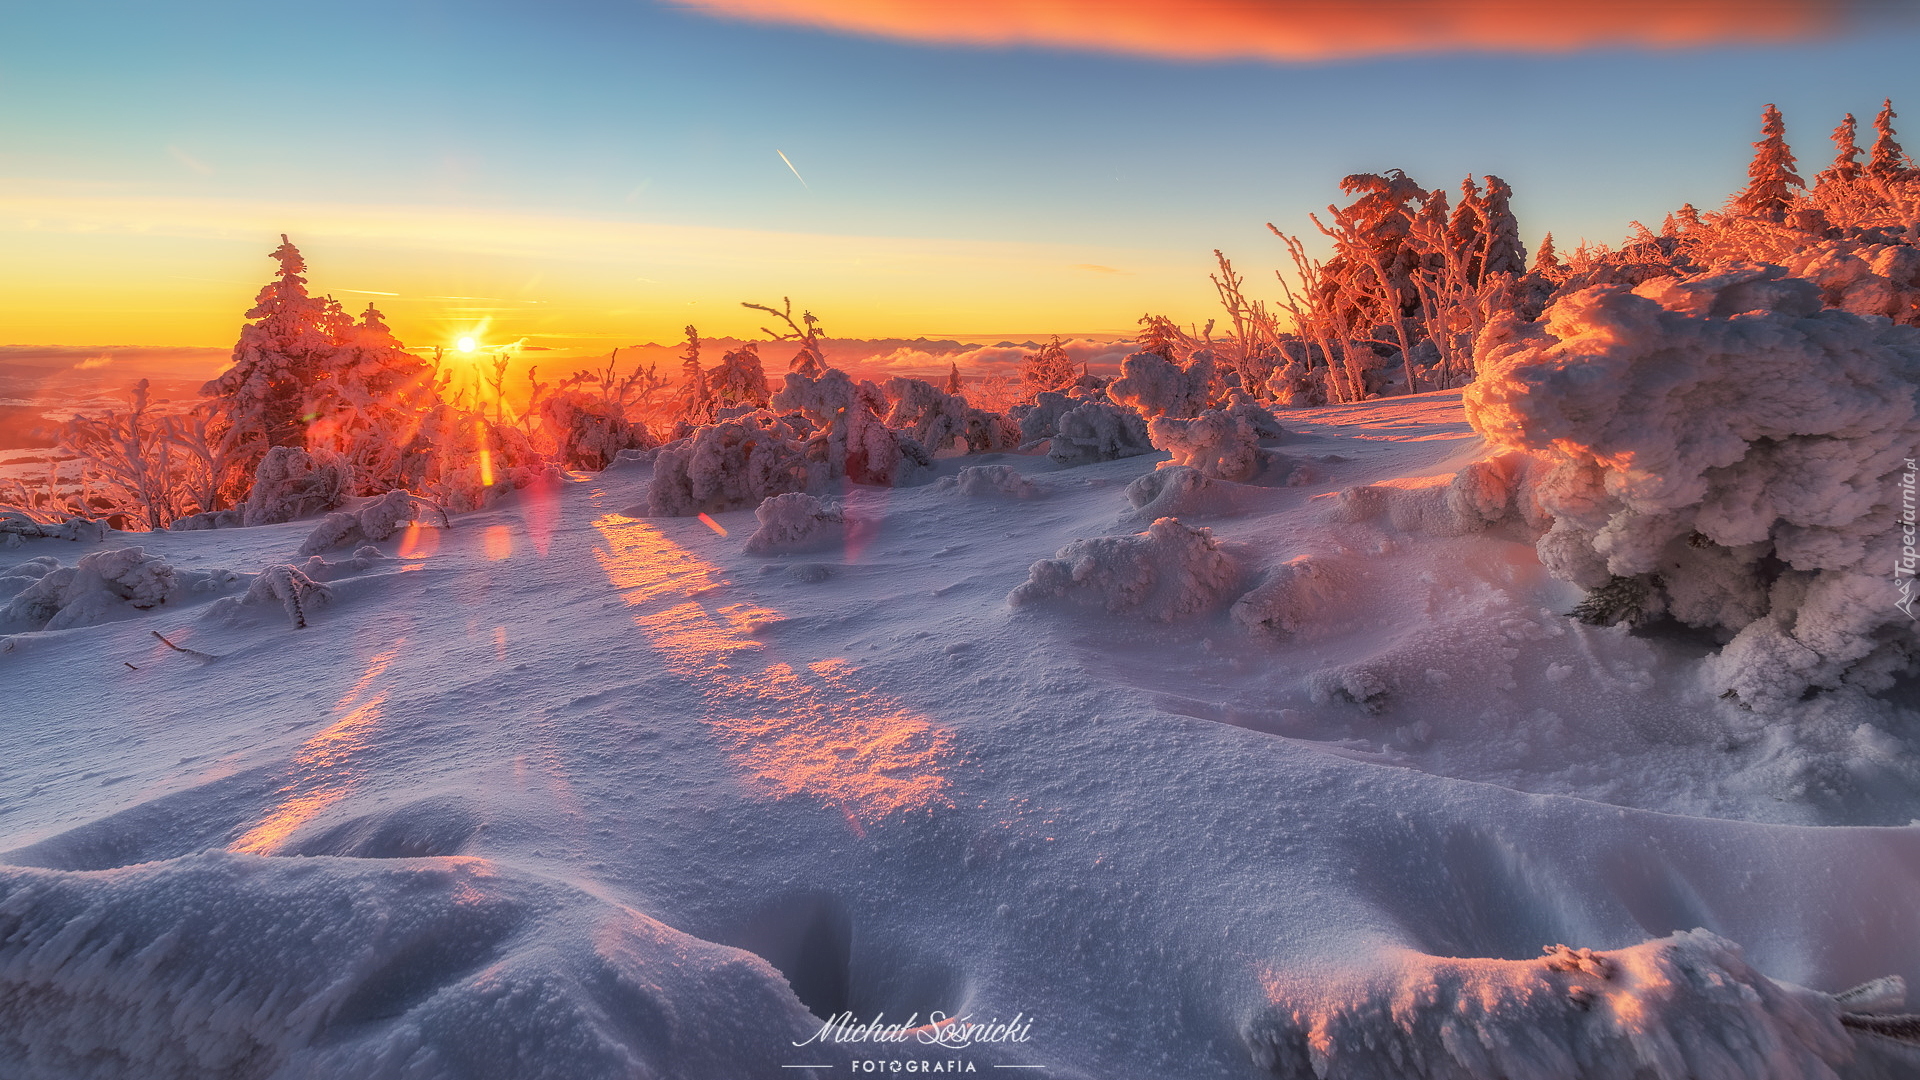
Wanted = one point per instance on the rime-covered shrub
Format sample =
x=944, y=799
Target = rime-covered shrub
x=292, y=483
x=1862, y=277
x=795, y=521
x=1265, y=425
x=1169, y=572
x=1219, y=444
x=376, y=520
x=463, y=461
x=1737, y=446
x=992, y=480
x=101, y=586
x=290, y=587
x=933, y=417
x=852, y=440
x=18, y=578
x=587, y=432
x=1098, y=431
x=730, y=465
x=1157, y=386
x=1041, y=420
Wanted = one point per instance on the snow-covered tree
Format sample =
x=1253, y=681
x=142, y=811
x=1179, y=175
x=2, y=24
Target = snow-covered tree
x=259, y=399
x=1889, y=161
x=1546, y=261
x=1050, y=369
x=1846, y=158
x=1503, y=252
x=1771, y=178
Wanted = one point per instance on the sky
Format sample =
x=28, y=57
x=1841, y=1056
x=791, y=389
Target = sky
x=589, y=173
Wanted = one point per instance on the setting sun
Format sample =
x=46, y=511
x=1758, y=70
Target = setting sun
x=466, y=344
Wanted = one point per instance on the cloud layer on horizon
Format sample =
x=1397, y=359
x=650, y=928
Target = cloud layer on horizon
x=1308, y=30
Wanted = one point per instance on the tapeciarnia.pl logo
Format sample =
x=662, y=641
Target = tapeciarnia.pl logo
x=1903, y=567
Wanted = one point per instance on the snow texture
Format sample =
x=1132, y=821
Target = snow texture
x=1724, y=435
x=1171, y=571
x=1098, y=431
x=374, y=521
x=291, y=483
x=1294, y=597
x=730, y=465
x=16, y=528
x=1683, y=1007
x=795, y=521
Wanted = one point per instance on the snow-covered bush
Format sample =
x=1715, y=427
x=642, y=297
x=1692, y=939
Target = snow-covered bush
x=292, y=483
x=1218, y=443
x=933, y=417
x=1736, y=447
x=1041, y=419
x=291, y=588
x=376, y=520
x=795, y=521
x=730, y=465
x=587, y=432
x=1862, y=277
x=852, y=441
x=101, y=586
x=1171, y=571
x=992, y=480
x=1098, y=431
x=1684, y=1006
x=18, y=578
x=16, y=528
x=1157, y=386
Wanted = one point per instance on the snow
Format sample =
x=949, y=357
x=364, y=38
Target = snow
x=795, y=522
x=567, y=791
x=1098, y=431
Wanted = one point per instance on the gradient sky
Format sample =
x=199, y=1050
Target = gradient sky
x=594, y=172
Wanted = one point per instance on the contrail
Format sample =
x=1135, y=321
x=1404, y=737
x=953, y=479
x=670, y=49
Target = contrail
x=794, y=171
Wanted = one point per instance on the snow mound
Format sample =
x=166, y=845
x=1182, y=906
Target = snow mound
x=1098, y=431
x=1041, y=420
x=1684, y=1007
x=1478, y=496
x=286, y=585
x=17, y=528
x=991, y=480
x=1294, y=597
x=1735, y=450
x=1863, y=278
x=291, y=483
x=1180, y=491
x=102, y=586
x=795, y=521
x=1218, y=443
x=376, y=520
x=231, y=965
x=1156, y=386
x=1171, y=571
x=728, y=466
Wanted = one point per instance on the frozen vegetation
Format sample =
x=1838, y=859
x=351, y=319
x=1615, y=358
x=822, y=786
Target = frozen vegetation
x=1544, y=707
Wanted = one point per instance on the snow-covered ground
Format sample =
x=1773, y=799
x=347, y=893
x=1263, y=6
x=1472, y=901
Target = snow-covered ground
x=566, y=791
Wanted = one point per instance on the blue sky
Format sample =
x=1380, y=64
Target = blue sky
x=637, y=116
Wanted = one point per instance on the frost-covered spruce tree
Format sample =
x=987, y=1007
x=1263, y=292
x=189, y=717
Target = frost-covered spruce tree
x=1504, y=253
x=1049, y=370
x=739, y=381
x=1846, y=159
x=258, y=402
x=364, y=401
x=1770, y=175
x=1889, y=161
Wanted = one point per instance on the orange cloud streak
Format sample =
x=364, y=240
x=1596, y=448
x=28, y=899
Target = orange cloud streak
x=1304, y=29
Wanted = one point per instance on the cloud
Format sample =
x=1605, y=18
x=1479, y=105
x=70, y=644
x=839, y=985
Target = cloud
x=92, y=362
x=1311, y=29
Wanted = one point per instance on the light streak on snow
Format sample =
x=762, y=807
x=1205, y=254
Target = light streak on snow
x=486, y=453
x=810, y=730
x=325, y=766
x=417, y=542
x=497, y=542
x=712, y=524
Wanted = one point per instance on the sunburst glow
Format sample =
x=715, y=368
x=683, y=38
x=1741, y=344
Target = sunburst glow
x=466, y=344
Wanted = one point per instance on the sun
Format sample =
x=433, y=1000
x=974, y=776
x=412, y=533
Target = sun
x=465, y=344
